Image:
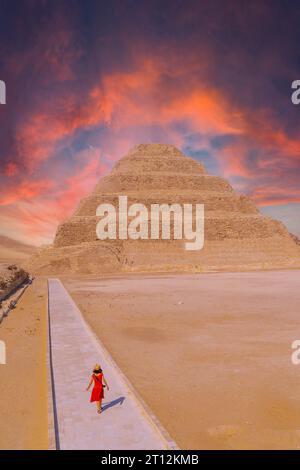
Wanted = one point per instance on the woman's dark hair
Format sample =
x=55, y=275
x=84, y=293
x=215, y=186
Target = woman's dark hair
x=97, y=371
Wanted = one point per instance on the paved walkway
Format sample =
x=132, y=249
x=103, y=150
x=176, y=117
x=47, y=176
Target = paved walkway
x=124, y=423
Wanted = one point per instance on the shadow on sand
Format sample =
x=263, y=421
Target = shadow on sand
x=117, y=401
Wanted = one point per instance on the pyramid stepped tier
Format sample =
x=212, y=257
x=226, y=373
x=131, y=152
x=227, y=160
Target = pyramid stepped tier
x=236, y=235
x=157, y=159
x=228, y=202
x=83, y=229
x=157, y=182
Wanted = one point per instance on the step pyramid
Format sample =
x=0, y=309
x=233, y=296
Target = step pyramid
x=237, y=235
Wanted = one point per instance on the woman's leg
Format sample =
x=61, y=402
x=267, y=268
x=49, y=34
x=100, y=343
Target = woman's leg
x=98, y=403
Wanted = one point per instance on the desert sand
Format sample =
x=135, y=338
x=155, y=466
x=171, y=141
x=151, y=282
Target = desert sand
x=13, y=251
x=23, y=383
x=209, y=353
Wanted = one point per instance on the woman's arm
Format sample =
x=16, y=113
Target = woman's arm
x=91, y=381
x=103, y=378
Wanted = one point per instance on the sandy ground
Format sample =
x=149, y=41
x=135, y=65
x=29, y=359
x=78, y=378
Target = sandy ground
x=210, y=354
x=12, y=251
x=23, y=380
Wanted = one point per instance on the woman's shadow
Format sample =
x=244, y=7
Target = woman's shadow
x=117, y=401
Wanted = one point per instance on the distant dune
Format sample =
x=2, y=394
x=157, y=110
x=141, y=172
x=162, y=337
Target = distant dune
x=14, y=251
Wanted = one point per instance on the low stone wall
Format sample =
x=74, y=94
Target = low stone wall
x=11, y=277
x=12, y=299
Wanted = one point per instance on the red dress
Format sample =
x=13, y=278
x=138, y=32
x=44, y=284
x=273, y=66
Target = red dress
x=97, y=392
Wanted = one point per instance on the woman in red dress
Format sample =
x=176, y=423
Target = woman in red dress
x=99, y=383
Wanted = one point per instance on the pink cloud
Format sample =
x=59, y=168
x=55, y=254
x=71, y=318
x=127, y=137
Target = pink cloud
x=126, y=102
x=25, y=190
x=38, y=210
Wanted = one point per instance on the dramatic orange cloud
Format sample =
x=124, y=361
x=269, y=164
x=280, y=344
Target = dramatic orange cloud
x=10, y=169
x=139, y=97
x=38, y=209
x=125, y=103
x=275, y=196
x=26, y=190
